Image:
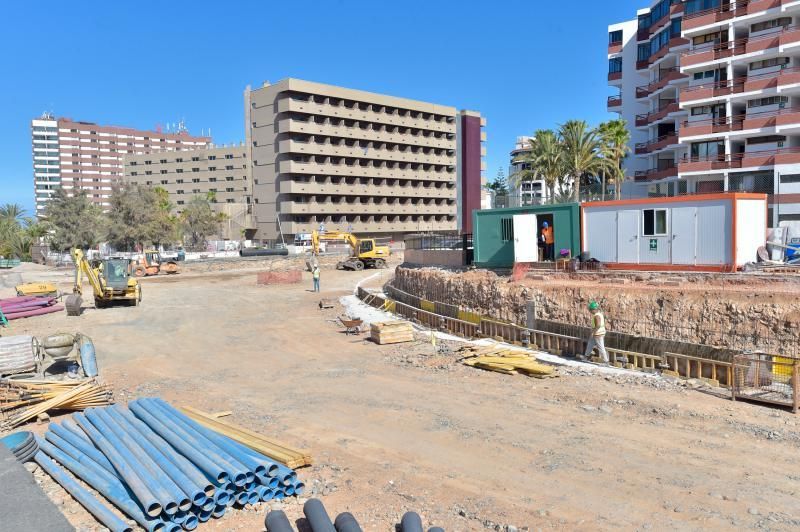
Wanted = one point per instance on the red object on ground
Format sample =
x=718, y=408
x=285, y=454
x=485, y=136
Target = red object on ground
x=33, y=312
x=290, y=277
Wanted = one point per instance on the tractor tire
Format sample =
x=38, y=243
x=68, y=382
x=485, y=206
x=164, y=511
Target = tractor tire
x=139, y=271
x=340, y=265
x=169, y=268
x=99, y=303
x=357, y=265
x=380, y=264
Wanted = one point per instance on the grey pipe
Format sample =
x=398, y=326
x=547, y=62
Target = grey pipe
x=146, y=498
x=183, y=484
x=185, y=447
x=318, y=518
x=136, y=458
x=436, y=529
x=345, y=522
x=113, y=490
x=178, y=499
x=411, y=522
x=240, y=472
x=180, y=461
x=276, y=521
x=82, y=495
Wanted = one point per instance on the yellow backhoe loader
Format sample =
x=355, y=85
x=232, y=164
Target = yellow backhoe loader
x=151, y=263
x=111, y=281
x=366, y=253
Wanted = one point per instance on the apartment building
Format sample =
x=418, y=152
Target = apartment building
x=533, y=192
x=717, y=98
x=219, y=172
x=88, y=156
x=342, y=159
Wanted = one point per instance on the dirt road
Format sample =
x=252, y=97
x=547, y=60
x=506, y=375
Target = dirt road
x=396, y=428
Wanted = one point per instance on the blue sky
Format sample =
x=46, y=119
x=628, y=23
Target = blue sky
x=524, y=65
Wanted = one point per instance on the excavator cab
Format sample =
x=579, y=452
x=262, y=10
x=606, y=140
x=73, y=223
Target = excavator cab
x=116, y=273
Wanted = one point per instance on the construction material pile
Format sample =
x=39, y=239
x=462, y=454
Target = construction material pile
x=24, y=400
x=391, y=332
x=506, y=360
x=25, y=306
x=161, y=468
x=318, y=520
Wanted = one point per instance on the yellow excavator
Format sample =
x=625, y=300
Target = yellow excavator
x=366, y=253
x=111, y=281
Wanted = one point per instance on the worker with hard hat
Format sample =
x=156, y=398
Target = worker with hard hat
x=598, y=337
x=548, y=240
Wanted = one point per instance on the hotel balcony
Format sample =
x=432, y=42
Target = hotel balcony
x=614, y=77
x=786, y=36
x=656, y=144
x=666, y=75
x=786, y=76
x=615, y=47
x=753, y=159
x=614, y=103
x=751, y=121
x=707, y=16
x=357, y=207
x=656, y=174
x=666, y=107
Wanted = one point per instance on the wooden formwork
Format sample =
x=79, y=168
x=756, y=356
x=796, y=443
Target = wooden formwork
x=691, y=367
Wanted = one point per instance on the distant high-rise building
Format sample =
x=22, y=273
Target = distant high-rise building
x=350, y=160
x=86, y=156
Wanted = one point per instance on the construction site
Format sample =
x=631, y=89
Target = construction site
x=453, y=395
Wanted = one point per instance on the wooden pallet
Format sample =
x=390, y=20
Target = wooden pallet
x=506, y=360
x=391, y=332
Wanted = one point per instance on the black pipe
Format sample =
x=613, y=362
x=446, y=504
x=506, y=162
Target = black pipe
x=317, y=516
x=276, y=521
x=410, y=522
x=345, y=522
x=262, y=252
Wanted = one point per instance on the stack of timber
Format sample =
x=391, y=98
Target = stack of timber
x=391, y=332
x=506, y=360
x=278, y=451
x=24, y=400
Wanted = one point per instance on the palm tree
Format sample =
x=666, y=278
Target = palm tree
x=615, y=137
x=582, y=153
x=545, y=159
x=11, y=213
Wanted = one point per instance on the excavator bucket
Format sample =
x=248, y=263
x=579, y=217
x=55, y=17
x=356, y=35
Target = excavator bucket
x=73, y=304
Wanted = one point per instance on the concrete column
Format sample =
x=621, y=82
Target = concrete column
x=530, y=314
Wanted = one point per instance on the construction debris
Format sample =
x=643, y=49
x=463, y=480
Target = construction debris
x=278, y=451
x=506, y=360
x=391, y=332
x=24, y=400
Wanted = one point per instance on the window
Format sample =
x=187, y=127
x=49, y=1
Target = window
x=179, y=202
x=163, y=161
x=655, y=222
x=195, y=159
x=506, y=229
x=769, y=24
x=212, y=168
x=132, y=163
x=179, y=181
x=229, y=167
x=148, y=172
x=229, y=200
x=229, y=178
x=179, y=160
x=615, y=37
x=212, y=157
x=229, y=189
x=768, y=139
x=179, y=171
x=163, y=171
x=715, y=75
x=212, y=179
x=767, y=63
x=715, y=37
x=694, y=6
x=133, y=173
x=195, y=191
x=148, y=182
x=716, y=110
x=790, y=178
x=615, y=65
x=179, y=192
x=195, y=169
x=148, y=162
x=164, y=181
x=212, y=189
x=711, y=149
x=772, y=100
x=683, y=187
x=195, y=180
x=229, y=156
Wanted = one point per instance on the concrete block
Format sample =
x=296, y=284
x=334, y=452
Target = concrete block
x=670, y=373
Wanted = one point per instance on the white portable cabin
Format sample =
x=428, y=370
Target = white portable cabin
x=705, y=232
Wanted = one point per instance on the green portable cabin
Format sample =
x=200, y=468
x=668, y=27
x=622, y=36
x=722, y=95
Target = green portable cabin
x=493, y=231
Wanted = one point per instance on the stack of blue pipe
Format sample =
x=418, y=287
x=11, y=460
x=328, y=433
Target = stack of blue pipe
x=161, y=468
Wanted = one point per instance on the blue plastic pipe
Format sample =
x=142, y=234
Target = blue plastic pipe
x=75, y=453
x=191, y=522
x=222, y=497
x=181, y=462
x=184, y=444
x=238, y=471
x=205, y=515
x=219, y=511
x=82, y=495
x=82, y=442
x=136, y=458
x=182, y=484
x=121, y=464
x=162, y=481
x=88, y=357
x=113, y=491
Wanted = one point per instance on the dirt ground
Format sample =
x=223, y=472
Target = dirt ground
x=397, y=428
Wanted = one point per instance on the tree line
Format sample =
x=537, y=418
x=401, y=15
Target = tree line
x=574, y=156
x=139, y=216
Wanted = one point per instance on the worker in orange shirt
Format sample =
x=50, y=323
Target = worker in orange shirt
x=549, y=241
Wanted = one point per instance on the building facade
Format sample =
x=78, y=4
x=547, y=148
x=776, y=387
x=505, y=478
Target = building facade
x=221, y=173
x=87, y=156
x=533, y=192
x=342, y=159
x=718, y=98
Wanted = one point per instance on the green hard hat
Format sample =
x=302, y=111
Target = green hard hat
x=593, y=305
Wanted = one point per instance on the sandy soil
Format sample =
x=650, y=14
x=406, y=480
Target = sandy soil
x=394, y=428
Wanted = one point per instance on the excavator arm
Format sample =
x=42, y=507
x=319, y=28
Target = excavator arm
x=317, y=237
